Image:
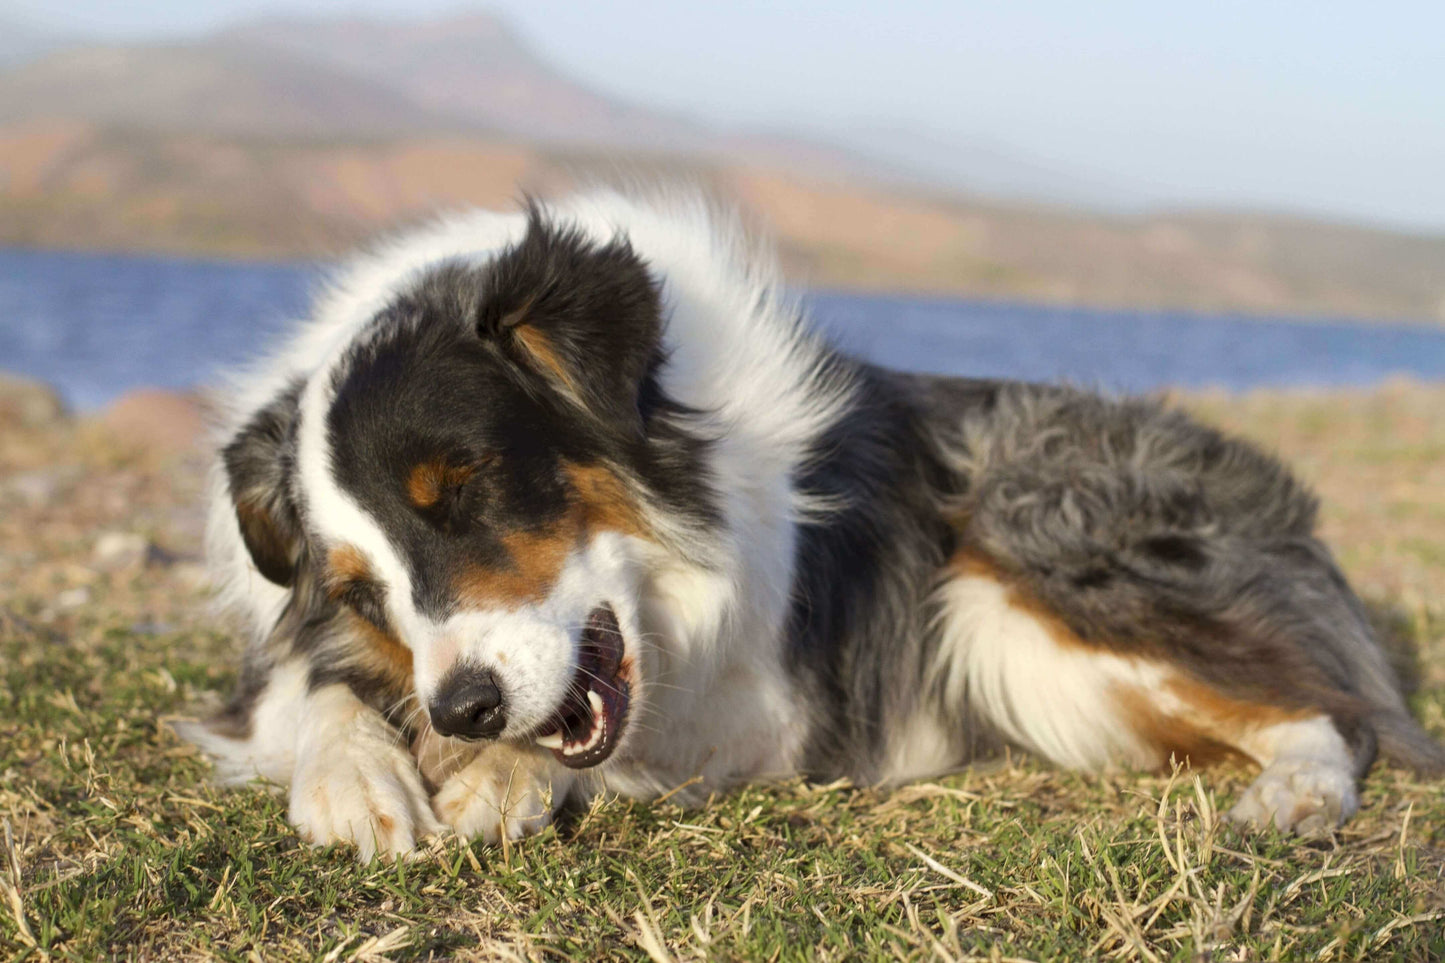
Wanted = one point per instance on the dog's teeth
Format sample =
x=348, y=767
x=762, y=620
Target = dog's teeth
x=599, y=729
x=598, y=732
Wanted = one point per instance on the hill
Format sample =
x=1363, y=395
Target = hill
x=209, y=86
x=303, y=137
x=471, y=68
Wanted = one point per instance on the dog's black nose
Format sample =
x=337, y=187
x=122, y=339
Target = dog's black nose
x=468, y=704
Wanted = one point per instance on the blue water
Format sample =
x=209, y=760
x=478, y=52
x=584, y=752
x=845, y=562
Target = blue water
x=97, y=325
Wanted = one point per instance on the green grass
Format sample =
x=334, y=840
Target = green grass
x=115, y=846
x=123, y=850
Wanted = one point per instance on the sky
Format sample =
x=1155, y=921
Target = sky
x=1334, y=109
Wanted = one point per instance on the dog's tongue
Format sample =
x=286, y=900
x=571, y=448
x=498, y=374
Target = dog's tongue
x=585, y=731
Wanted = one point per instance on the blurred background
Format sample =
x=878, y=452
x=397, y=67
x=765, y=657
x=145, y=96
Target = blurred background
x=1237, y=203
x=1130, y=195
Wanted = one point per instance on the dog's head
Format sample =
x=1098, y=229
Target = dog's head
x=474, y=481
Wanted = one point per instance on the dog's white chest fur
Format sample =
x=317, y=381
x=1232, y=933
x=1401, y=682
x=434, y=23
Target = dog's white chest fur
x=582, y=486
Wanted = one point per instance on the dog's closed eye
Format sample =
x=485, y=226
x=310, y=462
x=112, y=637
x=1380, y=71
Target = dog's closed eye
x=433, y=484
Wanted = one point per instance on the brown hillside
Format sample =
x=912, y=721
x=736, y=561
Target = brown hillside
x=69, y=184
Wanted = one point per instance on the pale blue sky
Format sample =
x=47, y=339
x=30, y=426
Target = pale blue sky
x=1324, y=107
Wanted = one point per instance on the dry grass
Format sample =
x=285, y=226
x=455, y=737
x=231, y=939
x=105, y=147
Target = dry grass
x=115, y=846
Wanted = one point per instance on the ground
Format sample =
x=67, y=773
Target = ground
x=115, y=846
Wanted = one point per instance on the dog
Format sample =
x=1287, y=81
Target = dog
x=571, y=500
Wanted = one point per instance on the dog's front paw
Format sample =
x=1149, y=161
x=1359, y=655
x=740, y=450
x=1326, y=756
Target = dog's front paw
x=1303, y=796
x=503, y=793
x=361, y=788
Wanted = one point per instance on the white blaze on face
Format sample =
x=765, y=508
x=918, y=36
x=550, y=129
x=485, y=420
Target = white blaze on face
x=334, y=515
x=531, y=648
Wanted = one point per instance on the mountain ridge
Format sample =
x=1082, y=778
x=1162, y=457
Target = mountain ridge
x=248, y=142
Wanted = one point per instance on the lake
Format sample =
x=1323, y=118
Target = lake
x=98, y=325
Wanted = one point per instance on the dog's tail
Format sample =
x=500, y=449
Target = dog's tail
x=1403, y=741
x=1343, y=625
x=1357, y=644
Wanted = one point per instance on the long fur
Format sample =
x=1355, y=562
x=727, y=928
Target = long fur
x=817, y=566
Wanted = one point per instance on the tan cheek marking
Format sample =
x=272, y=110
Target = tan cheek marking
x=599, y=502
x=429, y=479
x=379, y=654
x=605, y=501
x=344, y=564
x=536, y=561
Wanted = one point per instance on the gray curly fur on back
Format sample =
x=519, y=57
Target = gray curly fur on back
x=1144, y=531
x=1138, y=525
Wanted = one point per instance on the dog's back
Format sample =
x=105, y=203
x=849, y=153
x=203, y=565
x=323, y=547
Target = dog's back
x=1103, y=582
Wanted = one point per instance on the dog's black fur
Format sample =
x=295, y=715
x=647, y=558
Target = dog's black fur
x=923, y=516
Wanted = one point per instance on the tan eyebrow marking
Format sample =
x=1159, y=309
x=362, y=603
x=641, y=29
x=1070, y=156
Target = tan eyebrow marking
x=429, y=479
x=379, y=653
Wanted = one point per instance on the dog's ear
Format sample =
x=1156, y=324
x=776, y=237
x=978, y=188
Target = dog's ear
x=258, y=463
x=586, y=316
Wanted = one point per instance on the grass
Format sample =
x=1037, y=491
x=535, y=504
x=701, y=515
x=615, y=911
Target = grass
x=115, y=846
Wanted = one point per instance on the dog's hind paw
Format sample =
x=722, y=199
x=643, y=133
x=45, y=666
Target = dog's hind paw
x=362, y=789
x=502, y=793
x=1303, y=796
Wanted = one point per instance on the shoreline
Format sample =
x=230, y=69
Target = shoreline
x=832, y=286
x=195, y=394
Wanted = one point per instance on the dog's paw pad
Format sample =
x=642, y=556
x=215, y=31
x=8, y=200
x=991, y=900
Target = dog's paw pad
x=371, y=796
x=1303, y=796
x=494, y=799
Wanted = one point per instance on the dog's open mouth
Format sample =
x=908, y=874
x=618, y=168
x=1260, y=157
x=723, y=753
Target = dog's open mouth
x=585, y=730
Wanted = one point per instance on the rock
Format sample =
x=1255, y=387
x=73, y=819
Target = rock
x=40, y=486
x=124, y=551
x=13, y=625
x=192, y=575
x=120, y=551
x=73, y=598
x=27, y=403
x=162, y=422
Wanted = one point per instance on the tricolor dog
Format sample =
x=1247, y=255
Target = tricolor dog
x=572, y=500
